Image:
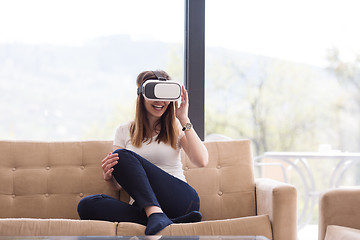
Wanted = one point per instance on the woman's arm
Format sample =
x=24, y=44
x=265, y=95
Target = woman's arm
x=191, y=143
x=194, y=147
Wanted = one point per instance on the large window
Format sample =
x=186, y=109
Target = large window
x=68, y=68
x=286, y=75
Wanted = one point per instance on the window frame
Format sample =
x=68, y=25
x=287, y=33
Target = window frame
x=194, y=62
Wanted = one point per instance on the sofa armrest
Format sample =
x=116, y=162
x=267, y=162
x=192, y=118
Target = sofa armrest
x=339, y=207
x=278, y=200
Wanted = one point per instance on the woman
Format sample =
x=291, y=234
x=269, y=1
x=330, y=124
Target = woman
x=146, y=164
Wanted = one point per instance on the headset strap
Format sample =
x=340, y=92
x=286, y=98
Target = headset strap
x=159, y=75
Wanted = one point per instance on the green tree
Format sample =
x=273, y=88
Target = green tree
x=279, y=105
x=348, y=75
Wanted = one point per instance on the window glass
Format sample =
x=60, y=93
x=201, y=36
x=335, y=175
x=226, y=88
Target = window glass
x=284, y=73
x=68, y=67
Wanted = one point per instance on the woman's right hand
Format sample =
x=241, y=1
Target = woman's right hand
x=107, y=165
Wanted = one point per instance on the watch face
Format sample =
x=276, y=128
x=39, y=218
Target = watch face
x=188, y=126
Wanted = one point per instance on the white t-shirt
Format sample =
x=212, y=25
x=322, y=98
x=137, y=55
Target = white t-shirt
x=160, y=154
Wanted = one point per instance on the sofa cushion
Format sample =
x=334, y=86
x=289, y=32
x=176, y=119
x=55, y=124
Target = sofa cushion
x=256, y=225
x=226, y=186
x=246, y=226
x=334, y=232
x=55, y=227
x=130, y=229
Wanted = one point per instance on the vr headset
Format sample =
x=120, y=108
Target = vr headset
x=160, y=89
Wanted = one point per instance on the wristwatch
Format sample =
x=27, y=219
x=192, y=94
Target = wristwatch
x=187, y=126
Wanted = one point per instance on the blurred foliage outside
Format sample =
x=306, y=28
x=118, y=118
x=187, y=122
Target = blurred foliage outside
x=285, y=106
x=280, y=105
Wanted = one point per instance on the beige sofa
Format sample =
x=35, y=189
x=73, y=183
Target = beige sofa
x=41, y=184
x=339, y=214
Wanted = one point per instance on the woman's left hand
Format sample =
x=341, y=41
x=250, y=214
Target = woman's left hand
x=181, y=111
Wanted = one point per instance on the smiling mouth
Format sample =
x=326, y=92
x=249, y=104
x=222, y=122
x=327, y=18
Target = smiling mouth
x=157, y=107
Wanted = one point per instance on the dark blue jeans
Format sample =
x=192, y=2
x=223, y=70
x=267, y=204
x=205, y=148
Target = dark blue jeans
x=148, y=185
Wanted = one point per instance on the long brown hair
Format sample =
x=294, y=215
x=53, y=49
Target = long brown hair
x=140, y=130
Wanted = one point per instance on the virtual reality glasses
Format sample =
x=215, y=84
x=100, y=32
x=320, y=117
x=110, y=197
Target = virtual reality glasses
x=160, y=89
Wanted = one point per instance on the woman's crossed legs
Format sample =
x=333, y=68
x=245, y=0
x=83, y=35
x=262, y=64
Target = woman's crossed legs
x=151, y=188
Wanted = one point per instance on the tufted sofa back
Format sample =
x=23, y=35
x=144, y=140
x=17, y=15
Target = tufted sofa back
x=226, y=185
x=48, y=179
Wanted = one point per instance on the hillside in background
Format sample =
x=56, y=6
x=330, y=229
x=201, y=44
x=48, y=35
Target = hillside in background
x=56, y=91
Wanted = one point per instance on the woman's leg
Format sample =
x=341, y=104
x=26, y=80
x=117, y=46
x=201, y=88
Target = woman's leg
x=132, y=177
x=151, y=186
x=105, y=208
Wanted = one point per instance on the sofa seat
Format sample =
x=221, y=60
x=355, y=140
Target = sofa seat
x=255, y=225
x=246, y=226
x=55, y=227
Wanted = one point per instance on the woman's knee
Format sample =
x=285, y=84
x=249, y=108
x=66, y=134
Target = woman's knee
x=86, y=205
x=121, y=151
x=123, y=154
x=125, y=157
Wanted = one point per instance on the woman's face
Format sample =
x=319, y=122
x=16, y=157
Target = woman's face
x=156, y=108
